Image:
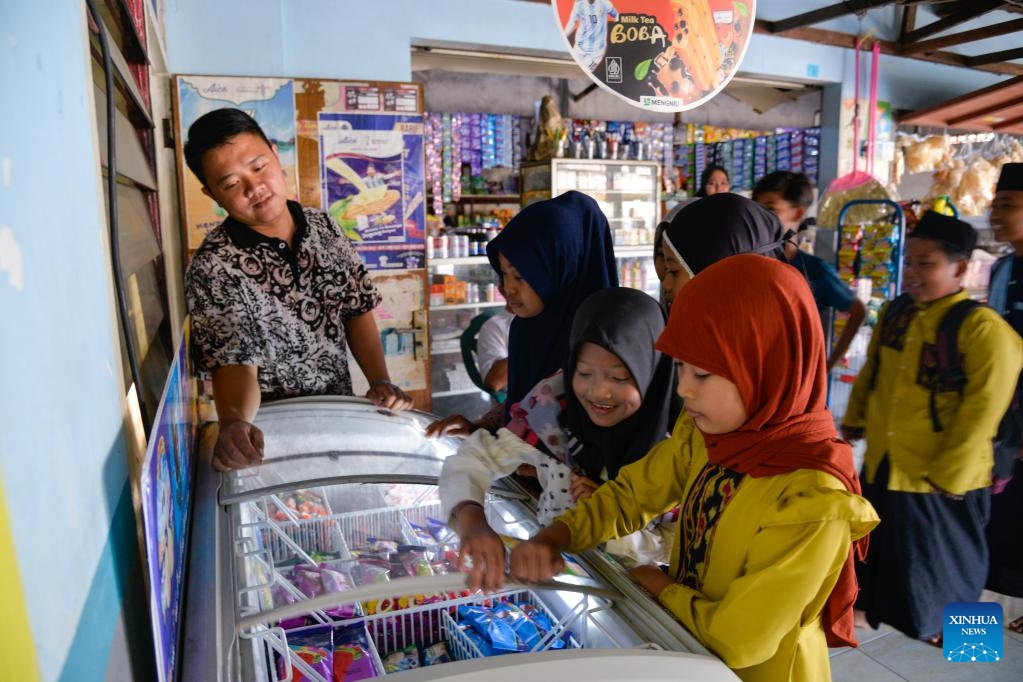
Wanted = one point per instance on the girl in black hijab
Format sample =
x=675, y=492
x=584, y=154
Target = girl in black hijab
x=715, y=227
x=562, y=250
x=606, y=409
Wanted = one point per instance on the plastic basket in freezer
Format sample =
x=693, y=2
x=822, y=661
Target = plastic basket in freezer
x=462, y=647
x=297, y=523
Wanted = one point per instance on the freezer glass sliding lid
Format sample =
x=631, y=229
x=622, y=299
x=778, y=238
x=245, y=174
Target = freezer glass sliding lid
x=338, y=556
x=322, y=441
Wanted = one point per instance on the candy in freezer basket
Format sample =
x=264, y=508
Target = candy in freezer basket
x=353, y=655
x=509, y=627
x=315, y=647
x=403, y=659
x=305, y=504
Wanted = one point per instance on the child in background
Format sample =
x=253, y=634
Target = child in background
x=788, y=195
x=1005, y=532
x=927, y=468
x=492, y=349
x=550, y=257
x=762, y=568
x=577, y=427
x=705, y=231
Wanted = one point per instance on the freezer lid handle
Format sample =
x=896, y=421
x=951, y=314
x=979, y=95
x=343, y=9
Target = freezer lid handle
x=416, y=585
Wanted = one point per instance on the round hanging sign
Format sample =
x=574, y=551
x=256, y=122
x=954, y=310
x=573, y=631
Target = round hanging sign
x=660, y=55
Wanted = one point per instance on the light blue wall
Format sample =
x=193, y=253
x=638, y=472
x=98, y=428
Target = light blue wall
x=62, y=451
x=353, y=39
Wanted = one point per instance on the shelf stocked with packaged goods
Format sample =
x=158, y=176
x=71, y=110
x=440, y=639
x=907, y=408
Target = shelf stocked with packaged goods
x=634, y=251
x=467, y=260
x=468, y=306
x=509, y=198
x=461, y=289
x=628, y=192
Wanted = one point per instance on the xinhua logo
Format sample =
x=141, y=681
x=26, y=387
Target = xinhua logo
x=972, y=632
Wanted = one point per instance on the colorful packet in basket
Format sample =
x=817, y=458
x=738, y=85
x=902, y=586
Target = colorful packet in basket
x=315, y=647
x=402, y=659
x=352, y=657
x=436, y=654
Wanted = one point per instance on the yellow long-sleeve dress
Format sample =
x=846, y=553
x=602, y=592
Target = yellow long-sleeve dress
x=755, y=560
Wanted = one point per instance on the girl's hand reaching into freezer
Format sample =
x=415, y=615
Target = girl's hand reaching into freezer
x=539, y=559
x=482, y=546
x=651, y=578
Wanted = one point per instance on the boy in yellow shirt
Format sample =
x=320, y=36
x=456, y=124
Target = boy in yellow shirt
x=927, y=468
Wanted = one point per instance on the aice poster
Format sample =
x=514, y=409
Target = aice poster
x=660, y=55
x=371, y=176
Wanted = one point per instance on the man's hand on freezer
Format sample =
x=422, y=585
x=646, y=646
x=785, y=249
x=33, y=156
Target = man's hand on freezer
x=240, y=444
x=482, y=547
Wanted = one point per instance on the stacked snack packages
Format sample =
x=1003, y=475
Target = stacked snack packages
x=506, y=627
x=867, y=261
x=747, y=155
x=434, y=150
x=461, y=146
x=965, y=167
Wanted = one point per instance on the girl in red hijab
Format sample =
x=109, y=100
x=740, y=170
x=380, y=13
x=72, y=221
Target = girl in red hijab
x=770, y=508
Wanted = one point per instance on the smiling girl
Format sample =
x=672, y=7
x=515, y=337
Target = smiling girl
x=577, y=427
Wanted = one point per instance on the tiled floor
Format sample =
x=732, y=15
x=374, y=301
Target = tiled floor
x=886, y=655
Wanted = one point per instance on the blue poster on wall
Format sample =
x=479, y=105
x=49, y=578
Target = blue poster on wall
x=372, y=184
x=166, y=490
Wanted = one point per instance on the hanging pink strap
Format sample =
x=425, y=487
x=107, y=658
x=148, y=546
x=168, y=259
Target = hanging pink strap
x=872, y=116
x=856, y=108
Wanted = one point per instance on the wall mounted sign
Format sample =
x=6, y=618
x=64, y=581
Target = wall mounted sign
x=659, y=55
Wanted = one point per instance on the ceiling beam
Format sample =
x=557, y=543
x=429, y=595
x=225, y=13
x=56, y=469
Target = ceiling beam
x=1007, y=123
x=825, y=13
x=978, y=114
x=964, y=37
x=971, y=10
x=908, y=22
x=995, y=57
x=848, y=40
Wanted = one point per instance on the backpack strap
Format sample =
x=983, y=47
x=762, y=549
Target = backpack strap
x=951, y=375
x=891, y=311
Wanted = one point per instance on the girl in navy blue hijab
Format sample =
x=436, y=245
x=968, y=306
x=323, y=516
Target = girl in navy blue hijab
x=550, y=258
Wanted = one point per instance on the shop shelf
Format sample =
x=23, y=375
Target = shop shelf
x=464, y=306
x=461, y=391
x=469, y=260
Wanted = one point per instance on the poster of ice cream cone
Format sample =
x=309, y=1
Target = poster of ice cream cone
x=372, y=185
x=659, y=55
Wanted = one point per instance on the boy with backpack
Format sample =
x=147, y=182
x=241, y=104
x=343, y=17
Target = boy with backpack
x=1005, y=532
x=940, y=373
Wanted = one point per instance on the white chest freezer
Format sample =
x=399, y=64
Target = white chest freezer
x=329, y=562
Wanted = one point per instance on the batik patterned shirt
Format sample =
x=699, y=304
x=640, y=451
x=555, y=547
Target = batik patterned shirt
x=256, y=301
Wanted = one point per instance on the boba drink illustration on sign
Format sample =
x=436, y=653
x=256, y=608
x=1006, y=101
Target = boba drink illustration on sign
x=660, y=55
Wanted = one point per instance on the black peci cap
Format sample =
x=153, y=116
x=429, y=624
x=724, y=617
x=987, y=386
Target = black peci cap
x=1011, y=178
x=954, y=232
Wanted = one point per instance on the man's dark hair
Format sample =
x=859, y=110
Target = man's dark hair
x=213, y=130
x=794, y=188
x=701, y=191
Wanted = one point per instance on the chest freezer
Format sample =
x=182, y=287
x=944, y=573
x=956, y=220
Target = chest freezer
x=329, y=561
